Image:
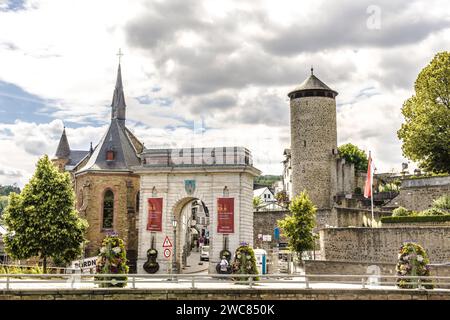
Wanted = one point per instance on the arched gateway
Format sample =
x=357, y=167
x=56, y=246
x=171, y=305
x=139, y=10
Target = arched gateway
x=177, y=184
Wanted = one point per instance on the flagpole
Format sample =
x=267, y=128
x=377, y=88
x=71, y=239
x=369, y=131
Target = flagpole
x=371, y=187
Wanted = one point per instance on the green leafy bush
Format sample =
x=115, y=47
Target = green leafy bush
x=112, y=260
x=432, y=212
x=244, y=262
x=412, y=261
x=442, y=203
x=401, y=212
x=416, y=218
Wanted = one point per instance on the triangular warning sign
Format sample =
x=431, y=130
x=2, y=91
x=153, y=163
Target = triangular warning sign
x=167, y=243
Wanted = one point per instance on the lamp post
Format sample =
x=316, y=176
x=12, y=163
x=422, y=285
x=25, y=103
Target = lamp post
x=174, y=261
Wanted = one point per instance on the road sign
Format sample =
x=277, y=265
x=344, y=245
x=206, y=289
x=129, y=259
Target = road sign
x=167, y=243
x=167, y=253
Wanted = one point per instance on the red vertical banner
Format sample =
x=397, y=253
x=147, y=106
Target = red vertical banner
x=225, y=215
x=154, y=221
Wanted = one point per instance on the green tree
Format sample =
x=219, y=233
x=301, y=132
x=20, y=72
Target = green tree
x=426, y=131
x=282, y=198
x=3, y=205
x=6, y=190
x=355, y=155
x=298, y=226
x=256, y=202
x=42, y=221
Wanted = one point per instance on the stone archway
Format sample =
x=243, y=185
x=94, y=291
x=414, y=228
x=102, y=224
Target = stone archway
x=190, y=214
x=175, y=186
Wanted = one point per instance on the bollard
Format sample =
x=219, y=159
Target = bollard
x=193, y=283
x=7, y=282
x=134, y=282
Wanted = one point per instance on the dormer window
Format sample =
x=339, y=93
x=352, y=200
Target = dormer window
x=110, y=155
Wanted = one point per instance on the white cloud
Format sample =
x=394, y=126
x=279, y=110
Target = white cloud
x=229, y=63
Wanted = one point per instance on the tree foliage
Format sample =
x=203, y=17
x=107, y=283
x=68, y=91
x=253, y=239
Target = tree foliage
x=42, y=221
x=298, y=226
x=355, y=155
x=426, y=131
x=7, y=189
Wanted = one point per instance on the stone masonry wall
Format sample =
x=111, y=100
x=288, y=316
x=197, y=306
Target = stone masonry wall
x=382, y=244
x=264, y=222
x=418, y=194
x=321, y=267
x=313, y=138
x=90, y=189
x=347, y=217
x=225, y=294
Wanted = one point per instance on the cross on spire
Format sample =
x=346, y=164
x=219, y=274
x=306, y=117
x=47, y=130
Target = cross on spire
x=120, y=54
x=312, y=70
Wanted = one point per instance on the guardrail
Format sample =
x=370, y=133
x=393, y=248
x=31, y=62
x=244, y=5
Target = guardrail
x=133, y=281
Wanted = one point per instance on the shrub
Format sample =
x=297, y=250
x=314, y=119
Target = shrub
x=244, y=262
x=112, y=260
x=401, y=212
x=442, y=203
x=412, y=261
x=418, y=219
x=432, y=212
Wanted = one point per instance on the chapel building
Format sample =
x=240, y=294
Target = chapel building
x=107, y=189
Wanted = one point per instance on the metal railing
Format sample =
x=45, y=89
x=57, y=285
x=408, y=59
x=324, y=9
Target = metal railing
x=194, y=281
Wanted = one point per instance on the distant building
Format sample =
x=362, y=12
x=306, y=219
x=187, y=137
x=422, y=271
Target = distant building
x=287, y=173
x=264, y=194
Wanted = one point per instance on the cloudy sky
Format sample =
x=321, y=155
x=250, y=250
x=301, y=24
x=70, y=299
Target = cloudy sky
x=207, y=73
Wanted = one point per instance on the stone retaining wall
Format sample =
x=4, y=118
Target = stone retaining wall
x=222, y=294
x=382, y=244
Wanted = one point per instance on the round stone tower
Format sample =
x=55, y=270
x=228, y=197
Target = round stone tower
x=314, y=141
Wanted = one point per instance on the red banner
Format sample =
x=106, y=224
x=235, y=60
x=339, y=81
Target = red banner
x=154, y=222
x=225, y=215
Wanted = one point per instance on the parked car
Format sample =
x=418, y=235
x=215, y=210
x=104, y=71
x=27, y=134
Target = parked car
x=204, y=253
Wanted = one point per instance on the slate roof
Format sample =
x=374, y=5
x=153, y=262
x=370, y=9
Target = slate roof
x=115, y=139
x=312, y=83
x=63, y=150
x=76, y=156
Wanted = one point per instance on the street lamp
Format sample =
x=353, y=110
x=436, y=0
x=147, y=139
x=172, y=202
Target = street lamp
x=174, y=261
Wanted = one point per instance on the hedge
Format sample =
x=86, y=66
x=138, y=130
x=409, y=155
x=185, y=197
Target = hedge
x=403, y=219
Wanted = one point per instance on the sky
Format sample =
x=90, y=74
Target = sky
x=208, y=73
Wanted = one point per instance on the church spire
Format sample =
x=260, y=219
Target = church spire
x=63, y=151
x=118, y=103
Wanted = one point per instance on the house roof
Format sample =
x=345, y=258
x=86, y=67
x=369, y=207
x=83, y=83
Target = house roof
x=260, y=191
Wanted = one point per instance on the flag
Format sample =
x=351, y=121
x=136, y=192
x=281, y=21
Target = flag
x=369, y=179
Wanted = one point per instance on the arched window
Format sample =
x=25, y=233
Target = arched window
x=137, y=201
x=108, y=209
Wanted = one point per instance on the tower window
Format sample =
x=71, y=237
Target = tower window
x=110, y=155
x=137, y=201
x=304, y=143
x=108, y=209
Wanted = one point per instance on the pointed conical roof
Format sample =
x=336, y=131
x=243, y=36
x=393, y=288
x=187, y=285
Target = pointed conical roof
x=117, y=140
x=118, y=103
x=312, y=83
x=63, y=150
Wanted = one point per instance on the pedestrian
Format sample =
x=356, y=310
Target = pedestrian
x=224, y=265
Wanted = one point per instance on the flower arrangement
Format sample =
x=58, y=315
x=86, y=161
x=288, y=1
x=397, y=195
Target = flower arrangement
x=112, y=260
x=244, y=261
x=412, y=261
